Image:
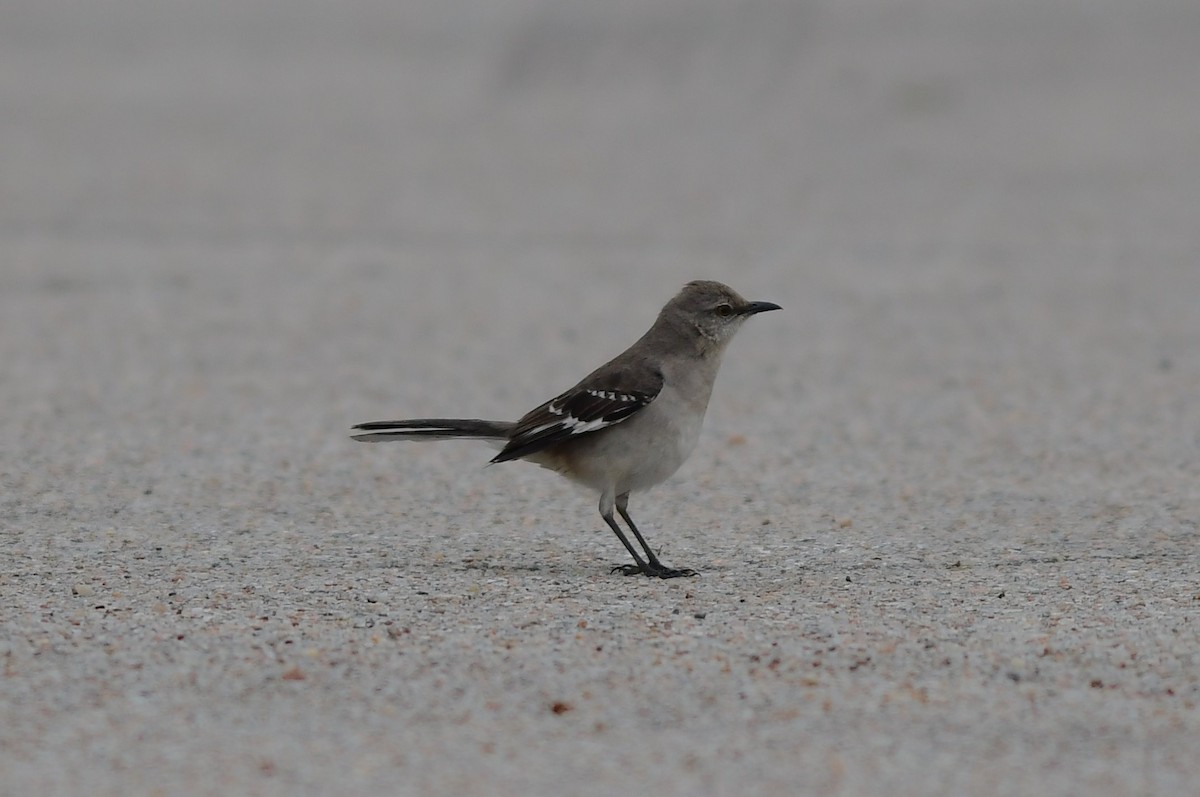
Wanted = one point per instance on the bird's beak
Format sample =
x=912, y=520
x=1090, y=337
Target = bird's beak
x=759, y=307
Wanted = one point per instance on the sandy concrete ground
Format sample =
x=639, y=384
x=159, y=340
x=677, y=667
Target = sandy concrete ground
x=945, y=505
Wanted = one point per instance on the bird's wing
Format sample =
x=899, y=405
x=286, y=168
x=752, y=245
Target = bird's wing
x=603, y=399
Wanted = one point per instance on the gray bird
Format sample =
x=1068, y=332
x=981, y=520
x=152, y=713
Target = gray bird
x=626, y=426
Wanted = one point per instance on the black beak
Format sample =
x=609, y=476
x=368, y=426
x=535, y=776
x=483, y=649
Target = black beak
x=759, y=307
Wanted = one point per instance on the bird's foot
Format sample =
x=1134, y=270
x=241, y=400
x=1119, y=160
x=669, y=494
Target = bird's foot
x=654, y=571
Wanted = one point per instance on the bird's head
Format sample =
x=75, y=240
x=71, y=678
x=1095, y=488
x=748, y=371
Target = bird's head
x=713, y=310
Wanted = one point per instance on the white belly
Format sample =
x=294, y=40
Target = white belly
x=638, y=453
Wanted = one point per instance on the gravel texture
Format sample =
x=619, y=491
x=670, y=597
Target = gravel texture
x=945, y=505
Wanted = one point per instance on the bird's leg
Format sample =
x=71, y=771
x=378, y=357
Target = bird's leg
x=653, y=567
x=640, y=567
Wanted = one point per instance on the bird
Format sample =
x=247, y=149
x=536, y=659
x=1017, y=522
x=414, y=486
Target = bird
x=625, y=427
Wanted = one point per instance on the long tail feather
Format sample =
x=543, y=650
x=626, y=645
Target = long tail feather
x=433, y=429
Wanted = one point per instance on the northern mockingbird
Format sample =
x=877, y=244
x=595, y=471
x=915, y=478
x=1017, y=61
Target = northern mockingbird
x=629, y=424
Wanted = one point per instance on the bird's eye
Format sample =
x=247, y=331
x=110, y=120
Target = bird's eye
x=724, y=310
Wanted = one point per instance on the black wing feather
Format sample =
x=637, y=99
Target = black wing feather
x=586, y=408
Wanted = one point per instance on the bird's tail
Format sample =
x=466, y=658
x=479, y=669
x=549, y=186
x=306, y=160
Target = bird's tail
x=433, y=429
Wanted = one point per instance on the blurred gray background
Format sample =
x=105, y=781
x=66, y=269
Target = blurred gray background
x=945, y=506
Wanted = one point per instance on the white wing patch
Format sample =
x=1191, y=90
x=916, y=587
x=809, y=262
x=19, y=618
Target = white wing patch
x=610, y=395
x=577, y=426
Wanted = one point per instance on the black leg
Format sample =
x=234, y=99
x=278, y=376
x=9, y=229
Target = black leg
x=612, y=524
x=623, y=508
x=652, y=567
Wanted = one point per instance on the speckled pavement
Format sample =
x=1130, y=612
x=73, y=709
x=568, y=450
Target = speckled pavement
x=945, y=505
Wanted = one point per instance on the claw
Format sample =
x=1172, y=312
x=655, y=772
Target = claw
x=654, y=572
